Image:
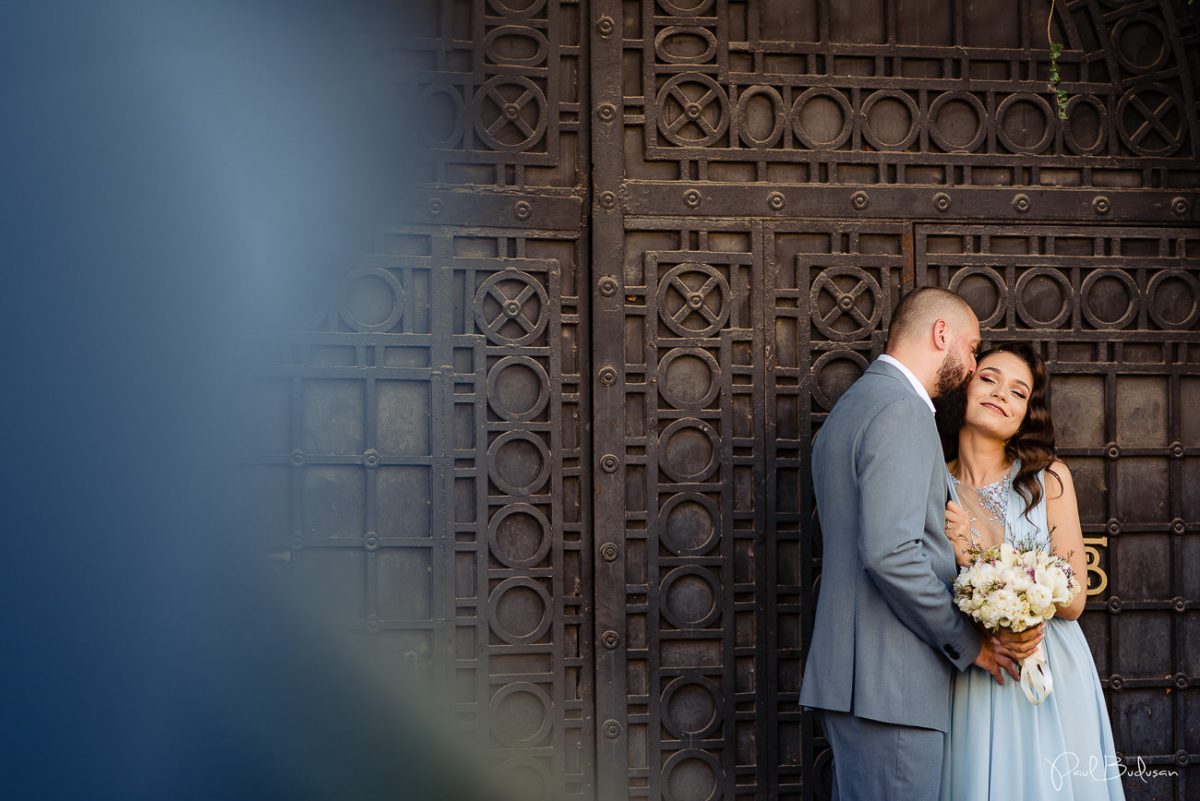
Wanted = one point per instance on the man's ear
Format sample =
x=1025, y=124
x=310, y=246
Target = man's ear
x=941, y=334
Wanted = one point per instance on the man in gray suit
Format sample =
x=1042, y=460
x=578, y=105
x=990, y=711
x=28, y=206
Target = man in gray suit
x=887, y=635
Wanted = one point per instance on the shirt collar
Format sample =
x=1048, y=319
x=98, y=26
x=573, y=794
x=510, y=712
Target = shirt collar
x=912, y=379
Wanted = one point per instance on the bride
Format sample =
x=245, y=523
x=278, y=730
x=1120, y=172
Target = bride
x=1006, y=482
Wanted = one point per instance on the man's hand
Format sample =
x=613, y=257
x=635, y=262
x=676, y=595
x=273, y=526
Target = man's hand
x=995, y=659
x=1021, y=645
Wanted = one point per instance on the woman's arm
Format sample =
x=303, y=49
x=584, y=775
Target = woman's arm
x=1066, y=534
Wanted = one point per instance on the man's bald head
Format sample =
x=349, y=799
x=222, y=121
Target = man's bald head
x=920, y=309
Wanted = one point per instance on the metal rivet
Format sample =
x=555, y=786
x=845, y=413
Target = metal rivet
x=1101, y=205
x=609, y=463
x=608, y=286
x=860, y=200
x=297, y=539
x=941, y=201
x=1178, y=526
x=1177, y=450
x=1181, y=681
x=1180, y=205
x=605, y=26
x=372, y=623
x=608, y=552
x=608, y=376
x=522, y=209
x=610, y=639
x=692, y=198
x=371, y=458
x=297, y=458
x=1114, y=526
x=611, y=729
x=606, y=112
x=608, y=200
x=435, y=207
x=1116, y=682
x=1181, y=758
x=1112, y=450
x=776, y=200
x=1179, y=604
x=1021, y=203
x=371, y=541
x=1114, y=605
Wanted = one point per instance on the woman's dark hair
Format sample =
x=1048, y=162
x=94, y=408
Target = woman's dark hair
x=1033, y=443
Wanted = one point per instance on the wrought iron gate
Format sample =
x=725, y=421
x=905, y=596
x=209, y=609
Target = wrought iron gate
x=552, y=443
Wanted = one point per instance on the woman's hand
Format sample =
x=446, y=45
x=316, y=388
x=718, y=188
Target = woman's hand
x=958, y=529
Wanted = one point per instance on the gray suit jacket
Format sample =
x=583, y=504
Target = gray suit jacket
x=887, y=636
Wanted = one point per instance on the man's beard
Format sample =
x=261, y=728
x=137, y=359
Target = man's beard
x=951, y=376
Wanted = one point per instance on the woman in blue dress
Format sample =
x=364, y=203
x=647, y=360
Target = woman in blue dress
x=1007, y=483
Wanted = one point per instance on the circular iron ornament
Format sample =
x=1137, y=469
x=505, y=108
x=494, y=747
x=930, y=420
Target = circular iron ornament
x=608, y=200
x=495, y=387
x=297, y=458
x=689, y=537
x=959, y=284
x=1154, y=288
x=605, y=26
x=608, y=552
x=845, y=303
x=608, y=286
x=670, y=597
x=1180, y=206
x=679, y=758
x=608, y=376
x=1131, y=290
x=1181, y=681
x=371, y=457
x=495, y=466
x=522, y=209
x=741, y=117
x=516, y=772
x=824, y=398
x=538, y=630
x=694, y=400
x=494, y=56
x=1179, y=604
x=1114, y=606
x=1144, y=110
x=606, y=112
x=684, y=10
x=511, y=290
x=1113, y=527
x=509, y=96
x=426, y=101
x=692, y=290
x=609, y=463
x=522, y=559
x=698, y=692
x=361, y=280
x=938, y=107
x=611, y=729
x=685, y=32
x=1125, y=33
x=1041, y=105
x=776, y=201
x=1101, y=205
x=941, y=201
x=1115, y=681
x=669, y=455
x=1074, y=117
x=371, y=541
x=914, y=119
x=435, y=207
x=1181, y=758
x=860, y=200
x=1178, y=526
x=1021, y=202
x=610, y=639
x=1112, y=450
x=1177, y=449
x=839, y=100
x=520, y=688
x=692, y=198
x=692, y=101
x=517, y=9
x=1023, y=285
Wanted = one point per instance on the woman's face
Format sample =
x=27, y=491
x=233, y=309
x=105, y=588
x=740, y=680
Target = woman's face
x=998, y=394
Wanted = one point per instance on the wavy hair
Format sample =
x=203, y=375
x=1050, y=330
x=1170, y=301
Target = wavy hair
x=1033, y=444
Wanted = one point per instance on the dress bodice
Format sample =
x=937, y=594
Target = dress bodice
x=1003, y=500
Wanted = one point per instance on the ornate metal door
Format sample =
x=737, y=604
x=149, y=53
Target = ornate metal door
x=768, y=179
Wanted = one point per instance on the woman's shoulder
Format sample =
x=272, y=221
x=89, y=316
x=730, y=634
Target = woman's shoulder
x=1056, y=479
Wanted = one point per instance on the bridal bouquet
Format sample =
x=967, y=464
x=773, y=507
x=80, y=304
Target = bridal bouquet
x=1017, y=588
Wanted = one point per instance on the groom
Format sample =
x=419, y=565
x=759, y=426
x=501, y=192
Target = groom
x=887, y=636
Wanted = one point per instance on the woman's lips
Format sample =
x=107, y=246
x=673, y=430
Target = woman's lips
x=994, y=408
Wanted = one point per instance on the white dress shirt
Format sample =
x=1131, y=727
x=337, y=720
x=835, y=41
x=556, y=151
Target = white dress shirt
x=912, y=379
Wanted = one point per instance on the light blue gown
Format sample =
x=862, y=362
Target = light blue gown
x=1000, y=747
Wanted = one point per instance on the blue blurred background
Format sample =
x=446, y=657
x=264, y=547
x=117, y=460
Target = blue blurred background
x=178, y=178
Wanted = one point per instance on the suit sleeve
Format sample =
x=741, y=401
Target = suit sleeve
x=893, y=459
